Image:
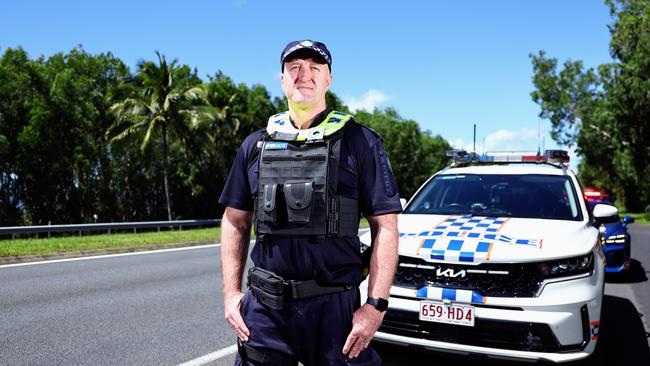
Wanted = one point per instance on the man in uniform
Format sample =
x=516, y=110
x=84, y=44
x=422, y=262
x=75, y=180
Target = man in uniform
x=304, y=181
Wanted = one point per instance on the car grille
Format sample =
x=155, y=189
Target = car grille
x=521, y=280
x=520, y=336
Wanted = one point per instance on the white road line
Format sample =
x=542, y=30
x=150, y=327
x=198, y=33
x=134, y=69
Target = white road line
x=113, y=255
x=108, y=256
x=211, y=356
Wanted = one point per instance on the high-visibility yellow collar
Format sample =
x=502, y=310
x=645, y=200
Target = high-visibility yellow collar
x=280, y=127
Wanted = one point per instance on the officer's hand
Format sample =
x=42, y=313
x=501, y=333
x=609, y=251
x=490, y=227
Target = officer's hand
x=233, y=316
x=365, y=322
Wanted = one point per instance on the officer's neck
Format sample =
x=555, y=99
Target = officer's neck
x=303, y=116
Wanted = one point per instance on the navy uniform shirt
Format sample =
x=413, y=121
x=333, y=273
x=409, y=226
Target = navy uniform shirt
x=364, y=174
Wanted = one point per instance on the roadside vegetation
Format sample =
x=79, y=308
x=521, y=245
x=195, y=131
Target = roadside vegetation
x=64, y=244
x=604, y=111
x=142, y=240
x=84, y=139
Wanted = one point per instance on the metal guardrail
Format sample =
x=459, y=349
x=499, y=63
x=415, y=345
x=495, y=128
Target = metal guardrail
x=110, y=226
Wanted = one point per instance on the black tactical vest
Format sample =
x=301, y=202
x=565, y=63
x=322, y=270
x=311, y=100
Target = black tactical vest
x=298, y=181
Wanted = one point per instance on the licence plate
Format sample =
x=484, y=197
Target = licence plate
x=431, y=311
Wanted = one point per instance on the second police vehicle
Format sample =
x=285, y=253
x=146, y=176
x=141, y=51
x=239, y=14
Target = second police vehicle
x=616, y=237
x=499, y=256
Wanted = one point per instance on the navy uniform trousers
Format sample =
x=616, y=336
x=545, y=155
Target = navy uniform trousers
x=312, y=331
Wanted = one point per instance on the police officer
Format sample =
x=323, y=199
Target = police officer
x=304, y=181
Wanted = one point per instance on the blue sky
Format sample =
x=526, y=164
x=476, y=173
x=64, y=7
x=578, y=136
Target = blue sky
x=445, y=64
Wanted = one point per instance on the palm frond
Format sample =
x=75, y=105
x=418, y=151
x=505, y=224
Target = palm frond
x=147, y=136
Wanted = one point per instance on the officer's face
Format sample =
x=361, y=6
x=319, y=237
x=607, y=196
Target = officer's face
x=305, y=81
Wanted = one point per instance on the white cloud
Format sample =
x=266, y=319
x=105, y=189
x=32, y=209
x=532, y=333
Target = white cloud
x=368, y=101
x=460, y=144
x=523, y=139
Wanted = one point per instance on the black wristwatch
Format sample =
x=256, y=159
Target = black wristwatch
x=379, y=303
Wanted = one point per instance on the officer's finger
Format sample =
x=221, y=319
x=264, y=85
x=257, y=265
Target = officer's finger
x=237, y=324
x=349, y=342
x=357, y=348
x=360, y=346
x=232, y=305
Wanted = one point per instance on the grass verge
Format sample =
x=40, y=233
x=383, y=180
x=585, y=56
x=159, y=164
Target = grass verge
x=35, y=246
x=66, y=244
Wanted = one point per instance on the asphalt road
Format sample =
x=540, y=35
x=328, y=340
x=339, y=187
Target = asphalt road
x=165, y=309
x=150, y=309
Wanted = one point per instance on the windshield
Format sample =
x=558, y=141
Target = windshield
x=530, y=196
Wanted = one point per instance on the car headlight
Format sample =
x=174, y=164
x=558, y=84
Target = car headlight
x=568, y=266
x=615, y=239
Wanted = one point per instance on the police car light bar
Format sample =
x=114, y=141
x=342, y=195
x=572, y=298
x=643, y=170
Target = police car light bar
x=550, y=156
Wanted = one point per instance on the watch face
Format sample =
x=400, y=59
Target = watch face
x=379, y=303
x=382, y=304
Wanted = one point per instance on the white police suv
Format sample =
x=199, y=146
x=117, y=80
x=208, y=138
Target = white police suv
x=499, y=256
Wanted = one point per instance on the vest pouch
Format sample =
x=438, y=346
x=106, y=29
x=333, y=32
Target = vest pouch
x=271, y=201
x=298, y=195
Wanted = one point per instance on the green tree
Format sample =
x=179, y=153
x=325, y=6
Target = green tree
x=16, y=92
x=605, y=112
x=164, y=106
x=50, y=116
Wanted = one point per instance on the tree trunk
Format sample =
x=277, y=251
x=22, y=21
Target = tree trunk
x=166, y=172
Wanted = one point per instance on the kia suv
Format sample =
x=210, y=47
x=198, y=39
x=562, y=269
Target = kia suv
x=500, y=257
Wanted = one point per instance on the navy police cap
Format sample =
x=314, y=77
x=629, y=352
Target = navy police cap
x=306, y=46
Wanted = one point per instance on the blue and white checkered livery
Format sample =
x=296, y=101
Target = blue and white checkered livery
x=456, y=295
x=466, y=239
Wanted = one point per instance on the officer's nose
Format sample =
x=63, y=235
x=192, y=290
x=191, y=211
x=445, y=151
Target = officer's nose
x=304, y=73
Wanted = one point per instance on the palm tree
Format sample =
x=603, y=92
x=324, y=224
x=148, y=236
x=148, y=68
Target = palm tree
x=168, y=103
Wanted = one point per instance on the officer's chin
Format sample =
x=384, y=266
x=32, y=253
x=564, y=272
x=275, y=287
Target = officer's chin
x=301, y=100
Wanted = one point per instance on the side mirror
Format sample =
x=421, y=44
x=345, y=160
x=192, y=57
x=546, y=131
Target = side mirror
x=605, y=214
x=403, y=202
x=628, y=219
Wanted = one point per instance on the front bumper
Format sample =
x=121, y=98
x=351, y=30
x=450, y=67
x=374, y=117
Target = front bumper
x=617, y=258
x=560, y=325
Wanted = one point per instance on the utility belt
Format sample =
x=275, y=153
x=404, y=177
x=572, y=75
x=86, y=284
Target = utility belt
x=275, y=292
